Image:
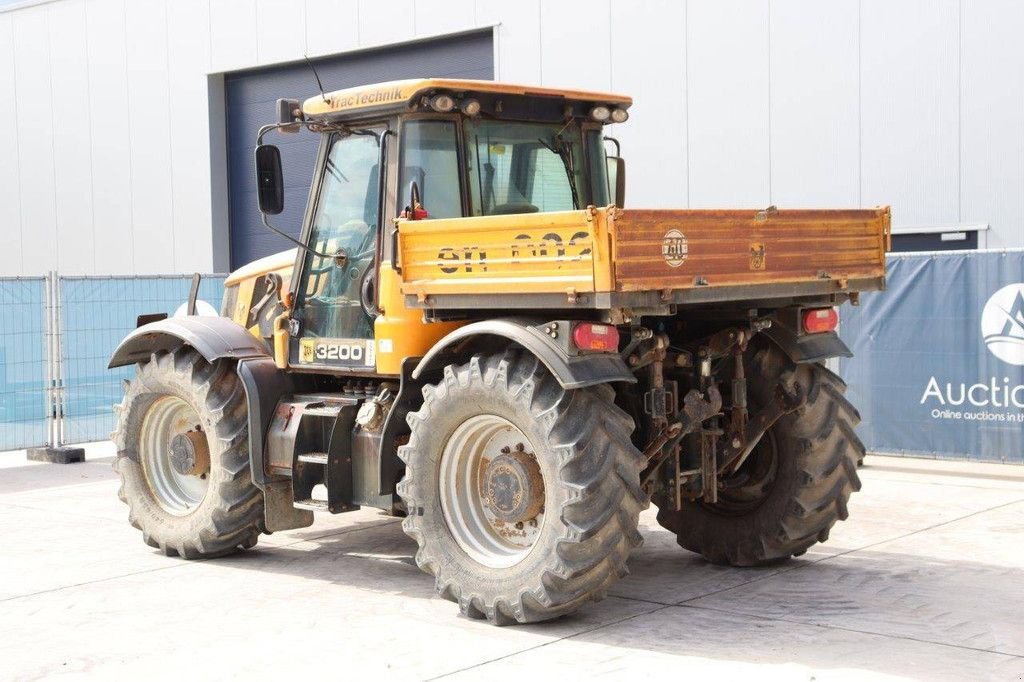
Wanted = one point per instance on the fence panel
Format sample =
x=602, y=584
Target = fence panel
x=95, y=314
x=938, y=366
x=23, y=377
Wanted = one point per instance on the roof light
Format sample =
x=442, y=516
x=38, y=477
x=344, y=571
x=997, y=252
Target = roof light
x=619, y=115
x=602, y=337
x=442, y=103
x=600, y=113
x=470, y=107
x=818, y=320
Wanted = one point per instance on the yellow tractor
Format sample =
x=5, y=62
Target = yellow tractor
x=475, y=334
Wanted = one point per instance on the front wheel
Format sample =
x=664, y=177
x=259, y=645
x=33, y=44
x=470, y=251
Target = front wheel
x=522, y=496
x=183, y=457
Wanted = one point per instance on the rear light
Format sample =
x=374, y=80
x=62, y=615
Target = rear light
x=589, y=336
x=818, y=320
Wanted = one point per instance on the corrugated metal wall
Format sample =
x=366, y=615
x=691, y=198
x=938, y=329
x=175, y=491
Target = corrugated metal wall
x=917, y=103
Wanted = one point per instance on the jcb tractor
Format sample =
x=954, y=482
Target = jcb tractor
x=475, y=334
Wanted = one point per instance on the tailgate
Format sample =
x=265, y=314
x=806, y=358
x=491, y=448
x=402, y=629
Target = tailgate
x=686, y=249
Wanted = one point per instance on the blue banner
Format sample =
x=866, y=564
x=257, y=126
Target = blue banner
x=938, y=366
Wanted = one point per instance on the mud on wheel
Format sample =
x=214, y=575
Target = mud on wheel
x=183, y=457
x=522, y=496
x=793, y=486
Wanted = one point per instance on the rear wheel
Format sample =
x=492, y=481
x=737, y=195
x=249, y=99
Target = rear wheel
x=183, y=457
x=793, y=486
x=522, y=496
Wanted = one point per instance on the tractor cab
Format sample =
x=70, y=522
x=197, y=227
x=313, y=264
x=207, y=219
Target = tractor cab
x=419, y=150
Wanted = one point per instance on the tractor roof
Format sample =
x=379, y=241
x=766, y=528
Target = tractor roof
x=403, y=95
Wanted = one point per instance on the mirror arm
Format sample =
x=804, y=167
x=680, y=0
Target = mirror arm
x=292, y=239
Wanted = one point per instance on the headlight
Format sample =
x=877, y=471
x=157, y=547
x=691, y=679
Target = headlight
x=600, y=113
x=619, y=115
x=442, y=103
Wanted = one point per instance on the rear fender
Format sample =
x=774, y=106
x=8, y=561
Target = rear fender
x=571, y=371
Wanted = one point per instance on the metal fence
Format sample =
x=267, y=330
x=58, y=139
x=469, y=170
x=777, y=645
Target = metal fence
x=56, y=337
x=95, y=314
x=23, y=362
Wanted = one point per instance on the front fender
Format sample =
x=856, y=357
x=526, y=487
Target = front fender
x=212, y=337
x=571, y=371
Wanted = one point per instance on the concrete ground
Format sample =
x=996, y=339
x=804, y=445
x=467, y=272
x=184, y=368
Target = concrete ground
x=925, y=581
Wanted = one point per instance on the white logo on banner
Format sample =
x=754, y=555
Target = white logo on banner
x=1002, y=324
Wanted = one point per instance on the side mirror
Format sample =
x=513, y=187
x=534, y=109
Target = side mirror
x=617, y=179
x=269, y=181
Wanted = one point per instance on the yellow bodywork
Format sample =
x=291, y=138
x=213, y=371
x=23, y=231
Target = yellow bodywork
x=538, y=253
x=399, y=332
x=397, y=94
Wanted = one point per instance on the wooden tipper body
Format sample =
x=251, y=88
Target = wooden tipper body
x=603, y=258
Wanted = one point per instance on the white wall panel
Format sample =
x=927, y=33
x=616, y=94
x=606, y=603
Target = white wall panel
x=188, y=60
x=727, y=67
x=909, y=105
x=654, y=139
x=444, y=16
x=150, y=136
x=517, y=58
x=280, y=30
x=232, y=34
x=35, y=141
x=386, y=21
x=69, y=79
x=331, y=26
x=575, y=44
x=10, y=200
x=110, y=154
x=815, y=125
x=992, y=119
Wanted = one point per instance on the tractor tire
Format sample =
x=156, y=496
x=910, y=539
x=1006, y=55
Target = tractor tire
x=214, y=511
x=794, y=485
x=577, y=490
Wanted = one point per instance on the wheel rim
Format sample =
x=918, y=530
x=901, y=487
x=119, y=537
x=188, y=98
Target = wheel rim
x=175, y=492
x=752, y=483
x=476, y=526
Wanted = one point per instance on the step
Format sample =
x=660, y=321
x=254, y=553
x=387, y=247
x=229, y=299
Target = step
x=312, y=505
x=329, y=411
x=314, y=457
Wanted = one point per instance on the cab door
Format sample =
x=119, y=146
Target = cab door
x=334, y=301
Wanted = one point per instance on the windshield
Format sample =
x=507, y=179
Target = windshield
x=528, y=167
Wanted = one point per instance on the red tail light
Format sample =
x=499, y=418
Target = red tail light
x=818, y=320
x=589, y=336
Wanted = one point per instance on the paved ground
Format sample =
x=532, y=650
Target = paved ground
x=925, y=581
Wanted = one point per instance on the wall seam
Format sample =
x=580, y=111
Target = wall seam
x=128, y=110
x=769, y=31
x=88, y=115
x=170, y=141
x=959, y=114
x=53, y=150
x=17, y=145
x=686, y=98
x=860, y=104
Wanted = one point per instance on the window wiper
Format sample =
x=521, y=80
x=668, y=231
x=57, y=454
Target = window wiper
x=564, y=150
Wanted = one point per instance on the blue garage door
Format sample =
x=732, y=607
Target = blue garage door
x=250, y=98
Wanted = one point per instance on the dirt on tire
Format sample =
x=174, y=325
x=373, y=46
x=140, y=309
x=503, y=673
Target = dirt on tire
x=592, y=490
x=815, y=453
x=230, y=515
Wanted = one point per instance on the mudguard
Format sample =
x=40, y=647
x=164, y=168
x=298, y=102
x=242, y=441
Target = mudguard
x=807, y=347
x=571, y=371
x=212, y=337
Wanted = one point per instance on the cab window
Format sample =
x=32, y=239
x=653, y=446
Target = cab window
x=430, y=159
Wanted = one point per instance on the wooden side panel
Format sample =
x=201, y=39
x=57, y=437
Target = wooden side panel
x=517, y=254
x=658, y=250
